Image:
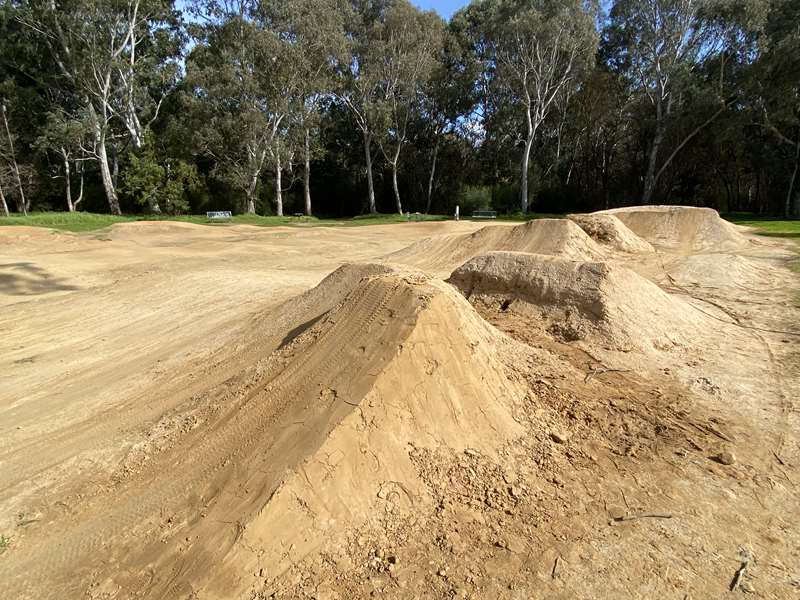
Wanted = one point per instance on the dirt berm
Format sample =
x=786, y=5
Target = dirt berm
x=605, y=304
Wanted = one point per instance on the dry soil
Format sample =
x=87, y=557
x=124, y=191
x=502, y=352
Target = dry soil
x=594, y=407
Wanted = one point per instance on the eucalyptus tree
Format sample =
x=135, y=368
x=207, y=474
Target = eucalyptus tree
x=9, y=156
x=661, y=46
x=532, y=51
x=448, y=97
x=777, y=94
x=120, y=57
x=357, y=84
x=68, y=136
x=21, y=73
x=402, y=55
x=313, y=34
x=239, y=78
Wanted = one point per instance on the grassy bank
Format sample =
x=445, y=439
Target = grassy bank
x=83, y=221
x=773, y=227
x=768, y=226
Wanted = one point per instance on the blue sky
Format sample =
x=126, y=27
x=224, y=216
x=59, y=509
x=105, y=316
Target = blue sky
x=446, y=8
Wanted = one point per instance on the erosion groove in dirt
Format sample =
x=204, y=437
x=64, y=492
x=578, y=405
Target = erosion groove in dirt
x=353, y=427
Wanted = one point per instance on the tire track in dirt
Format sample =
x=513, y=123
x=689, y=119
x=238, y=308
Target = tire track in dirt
x=171, y=482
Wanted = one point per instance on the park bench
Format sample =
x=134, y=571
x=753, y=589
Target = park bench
x=219, y=215
x=484, y=214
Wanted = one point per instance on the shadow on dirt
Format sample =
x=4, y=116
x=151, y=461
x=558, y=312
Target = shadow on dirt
x=26, y=279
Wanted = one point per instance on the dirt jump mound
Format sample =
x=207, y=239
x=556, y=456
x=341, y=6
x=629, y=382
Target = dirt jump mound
x=555, y=237
x=681, y=228
x=595, y=302
x=610, y=231
x=442, y=388
x=319, y=432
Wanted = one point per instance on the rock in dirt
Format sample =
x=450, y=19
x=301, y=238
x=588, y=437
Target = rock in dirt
x=559, y=437
x=724, y=458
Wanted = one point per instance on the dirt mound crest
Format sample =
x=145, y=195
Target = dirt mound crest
x=610, y=231
x=555, y=237
x=441, y=386
x=681, y=228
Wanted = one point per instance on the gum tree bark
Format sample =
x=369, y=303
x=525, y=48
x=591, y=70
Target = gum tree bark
x=14, y=166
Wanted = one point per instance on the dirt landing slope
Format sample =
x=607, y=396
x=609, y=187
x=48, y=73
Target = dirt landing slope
x=680, y=228
x=556, y=237
x=608, y=305
x=609, y=230
x=719, y=271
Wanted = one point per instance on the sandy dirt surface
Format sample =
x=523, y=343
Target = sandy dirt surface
x=595, y=407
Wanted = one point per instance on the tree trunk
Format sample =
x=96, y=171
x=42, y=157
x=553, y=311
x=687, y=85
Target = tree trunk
x=115, y=164
x=650, y=177
x=80, y=192
x=102, y=159
x=250, y=193
x=395, y=187
x=278, y=184
x=250, y=207
x=787, y=209
x=307, y=174
x=370, y=185
x=14, y=165
x=432, y=175
x=108, y=180
x=523, y=191
x=67, y=183
x=152, y=200
x=3, y=204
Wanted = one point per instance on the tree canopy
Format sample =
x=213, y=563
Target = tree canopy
x=340, y=107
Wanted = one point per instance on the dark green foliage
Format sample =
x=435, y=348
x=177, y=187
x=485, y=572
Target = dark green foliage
x=223, y=92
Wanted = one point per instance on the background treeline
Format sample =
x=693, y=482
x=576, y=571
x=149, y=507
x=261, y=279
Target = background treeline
x=340, y=107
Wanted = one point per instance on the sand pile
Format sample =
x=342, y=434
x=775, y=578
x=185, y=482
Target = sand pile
x=603, y=304
x=556, y=237
x=443, y=387
x=681, y=228
x=609, y=230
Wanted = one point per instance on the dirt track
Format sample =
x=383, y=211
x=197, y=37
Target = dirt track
x=183, y=416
